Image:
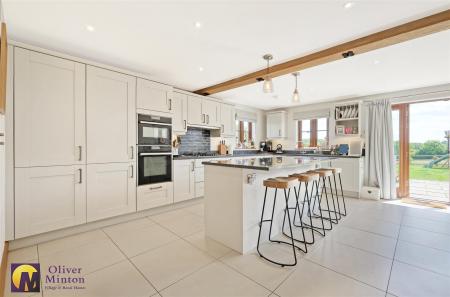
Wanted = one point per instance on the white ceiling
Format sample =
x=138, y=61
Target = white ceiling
x=159, y=38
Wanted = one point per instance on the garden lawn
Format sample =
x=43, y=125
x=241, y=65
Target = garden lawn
x=419, y=172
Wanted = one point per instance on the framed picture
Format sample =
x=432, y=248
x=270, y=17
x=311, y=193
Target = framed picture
x=340, y=130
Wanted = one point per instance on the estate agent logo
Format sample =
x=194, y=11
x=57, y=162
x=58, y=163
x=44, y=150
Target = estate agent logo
x=25, y=277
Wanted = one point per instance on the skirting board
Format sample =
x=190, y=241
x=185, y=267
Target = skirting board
x=52, y=235
x=3, y=268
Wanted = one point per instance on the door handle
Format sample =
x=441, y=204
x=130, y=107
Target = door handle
x=223, y=128
x=156, y=188
x=170, y=104
x=207, y=118
x=193, y=166
x=132, y=171
x=131, y=154
x=80, y=176
x=203, y=118
x=185, y=124
x=80, y=152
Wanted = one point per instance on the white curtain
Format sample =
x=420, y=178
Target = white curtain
x=379, y=166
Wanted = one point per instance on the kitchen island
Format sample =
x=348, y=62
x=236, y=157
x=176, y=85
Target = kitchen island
x=234, y=195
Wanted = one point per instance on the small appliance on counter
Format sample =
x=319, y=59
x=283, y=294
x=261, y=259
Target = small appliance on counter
x=265, y=146
x=279, y=149
x=343, y=149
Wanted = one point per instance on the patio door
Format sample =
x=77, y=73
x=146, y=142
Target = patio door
x=421, y=146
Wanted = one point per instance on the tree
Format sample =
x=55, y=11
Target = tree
x=432, y=147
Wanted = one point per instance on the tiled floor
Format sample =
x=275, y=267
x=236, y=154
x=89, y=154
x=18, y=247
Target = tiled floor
x=379, y=249
x=434, y=190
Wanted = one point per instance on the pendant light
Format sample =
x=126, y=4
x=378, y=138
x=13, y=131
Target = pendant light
x=296, y=95
x=267, y=85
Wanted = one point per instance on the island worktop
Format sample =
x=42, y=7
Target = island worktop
x=268, y=163
x=234, y=195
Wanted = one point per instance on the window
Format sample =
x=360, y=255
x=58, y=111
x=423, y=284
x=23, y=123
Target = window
x=245, y=132
x=312, y=133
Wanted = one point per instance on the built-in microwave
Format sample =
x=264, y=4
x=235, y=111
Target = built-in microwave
x=154, y=130
x=154, y=164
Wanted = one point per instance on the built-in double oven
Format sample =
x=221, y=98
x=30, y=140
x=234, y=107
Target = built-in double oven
x=154, y=149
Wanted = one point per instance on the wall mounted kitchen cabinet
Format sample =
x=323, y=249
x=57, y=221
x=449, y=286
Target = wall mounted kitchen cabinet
x=276, y=124
x=203, y=112
x=49, y=103
x=111, y=116
x=49, y=198
x=180, y=112
x=154, y=96
x=184, y=180
x=227, y=119
x=111, y=190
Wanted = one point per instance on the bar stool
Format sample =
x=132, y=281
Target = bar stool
x=306, y=178
x=285, y=183
x=323, y=175
x=338, y=171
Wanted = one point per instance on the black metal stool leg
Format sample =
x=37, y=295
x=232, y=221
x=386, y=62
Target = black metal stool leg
x=336, y=213
x=342, y=193
x=337, y=195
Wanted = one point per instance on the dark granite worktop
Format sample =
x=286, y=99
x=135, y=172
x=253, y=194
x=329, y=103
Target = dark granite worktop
x=259, y=154
x=267, y=163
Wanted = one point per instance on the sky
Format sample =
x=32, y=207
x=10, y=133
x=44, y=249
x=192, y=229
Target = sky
x=428, y=121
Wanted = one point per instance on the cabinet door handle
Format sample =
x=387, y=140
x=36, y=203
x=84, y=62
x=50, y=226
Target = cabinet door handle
x=80, y=176
x=207, y=118
x=156, y=188
x=80, y=152
x=223, y=128
x=170, y=104
x=203, y=118
x=131, y=154
x=279, y=132
x=185, y=124
x=193, y=166
x=131, y=171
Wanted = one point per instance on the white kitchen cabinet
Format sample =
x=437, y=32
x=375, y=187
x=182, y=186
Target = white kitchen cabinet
x=49, y=103
x=150, y=196
x=49, y=198
x=183, y=180
x=195, y=113
x=111, y=190
x=154, y=96
x=211, y=110
x=227, y=120
x=276, y=124
x=180, y=112
x=352, y=175
x=111, y=116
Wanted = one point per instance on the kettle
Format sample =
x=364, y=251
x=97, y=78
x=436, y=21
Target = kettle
x=279, y=149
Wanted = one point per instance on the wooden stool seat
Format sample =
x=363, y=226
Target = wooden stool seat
x=282, y=182
x=335, y=170
x=306, y=176
x=322, y=172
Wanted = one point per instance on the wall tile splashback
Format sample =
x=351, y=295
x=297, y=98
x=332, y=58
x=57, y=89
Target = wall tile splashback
x=196, y=140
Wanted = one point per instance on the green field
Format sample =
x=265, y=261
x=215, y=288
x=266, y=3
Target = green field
x=419, y=172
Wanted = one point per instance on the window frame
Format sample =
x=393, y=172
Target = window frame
x=313, y=130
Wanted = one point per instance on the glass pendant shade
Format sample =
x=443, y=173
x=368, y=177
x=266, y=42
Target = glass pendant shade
x=268, y=85
x=296, y=96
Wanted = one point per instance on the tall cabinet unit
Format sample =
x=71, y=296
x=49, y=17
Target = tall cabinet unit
x=50, y=150
x=111, y=140
x=180, y=112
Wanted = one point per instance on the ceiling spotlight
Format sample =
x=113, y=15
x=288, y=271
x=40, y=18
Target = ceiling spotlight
x=267, y=84
x=348, y=5
x=200, y=69
x=296, y=95
x=90, y=28
x=376, y=62
x=198, y=24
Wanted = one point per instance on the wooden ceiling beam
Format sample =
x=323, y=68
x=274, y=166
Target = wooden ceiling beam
x=411, y=30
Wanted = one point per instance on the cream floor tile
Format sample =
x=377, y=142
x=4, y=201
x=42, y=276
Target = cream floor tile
x=130, y=226
x=70, y=242
x=23, y=254
x=134, y=242
x=360, y=265
x=310, y=279
x=88, y=257
x=427, y=224
x=184, y=225
x=372, y=225
x=169, y=215
x=410, y=281
x=423, y=237
x=371, y=242
x=7, y=292
x=392, y=215
x=213, y=280
x=198, y=209
x=118, y=280
x=258, y=269
x=424, y=257
x=168, y=264
x=430, y=214
x=208, y=245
